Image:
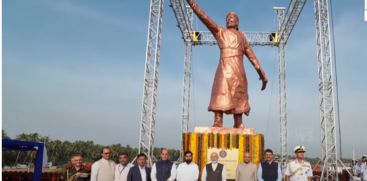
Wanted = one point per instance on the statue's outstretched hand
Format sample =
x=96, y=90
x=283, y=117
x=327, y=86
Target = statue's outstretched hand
x=263, y=78
x=265, y=81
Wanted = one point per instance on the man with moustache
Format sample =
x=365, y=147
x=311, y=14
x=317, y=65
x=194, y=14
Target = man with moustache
x=163, y=170
x=298, y=169
x=103, y=169
x=214, y=171
x=122, y=169
x=246, y=171
x=269, y=170
x=187, y=171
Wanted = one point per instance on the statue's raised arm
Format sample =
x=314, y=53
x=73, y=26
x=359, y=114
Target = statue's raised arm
x=209, y=23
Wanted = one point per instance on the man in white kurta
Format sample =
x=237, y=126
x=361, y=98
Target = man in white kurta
x=246, y=171
x=122, y=169
x=187, y=171
x=103, y=169
x=298, y=169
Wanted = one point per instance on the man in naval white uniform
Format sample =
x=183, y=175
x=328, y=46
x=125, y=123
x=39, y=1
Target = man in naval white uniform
x=298, y=169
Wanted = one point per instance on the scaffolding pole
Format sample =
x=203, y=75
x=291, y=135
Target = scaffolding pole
x=328, y=108
x=151, y=77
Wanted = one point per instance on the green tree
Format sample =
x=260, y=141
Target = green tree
x=4, y=134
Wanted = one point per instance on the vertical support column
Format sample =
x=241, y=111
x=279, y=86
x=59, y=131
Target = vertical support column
x=186, y=88
x=39, y=162
x=151, y=76
x=280, y=11
x=326, y=91
x=282, y=105
x=186, y=93
x=185, y=119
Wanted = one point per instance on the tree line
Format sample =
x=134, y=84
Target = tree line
x=59, y=152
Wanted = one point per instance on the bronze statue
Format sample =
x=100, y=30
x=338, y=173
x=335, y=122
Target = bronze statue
x=229, y=92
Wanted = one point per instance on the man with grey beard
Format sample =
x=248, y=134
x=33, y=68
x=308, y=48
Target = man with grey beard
x=214, y=171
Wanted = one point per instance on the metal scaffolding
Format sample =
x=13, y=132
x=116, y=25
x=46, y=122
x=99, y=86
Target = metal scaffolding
x=286, y=22
x=280, y=12
x=254, y=38
x=149, y=102
x=327, y=92
x=292, y=14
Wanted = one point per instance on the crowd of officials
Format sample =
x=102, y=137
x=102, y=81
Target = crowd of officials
x=164, y=170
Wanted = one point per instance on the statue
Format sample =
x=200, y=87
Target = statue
x=229, y=91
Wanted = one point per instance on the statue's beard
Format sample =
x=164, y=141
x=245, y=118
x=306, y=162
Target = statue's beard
x=232, y=26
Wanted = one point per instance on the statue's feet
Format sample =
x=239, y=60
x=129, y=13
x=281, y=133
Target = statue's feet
x=238, y=124
x=218, y=119
x=238, y=121
x=218, y=124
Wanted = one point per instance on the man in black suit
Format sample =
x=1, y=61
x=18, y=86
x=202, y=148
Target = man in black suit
x=139, y=172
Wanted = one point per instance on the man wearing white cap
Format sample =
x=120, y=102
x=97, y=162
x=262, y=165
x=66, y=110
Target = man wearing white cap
x=298, y=169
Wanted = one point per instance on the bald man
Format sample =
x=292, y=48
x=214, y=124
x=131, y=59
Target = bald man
x=214, y=171
x=163, y=170
x=246, y=171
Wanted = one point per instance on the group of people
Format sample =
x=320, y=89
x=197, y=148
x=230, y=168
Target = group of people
x=268, y=170
x=105, y=169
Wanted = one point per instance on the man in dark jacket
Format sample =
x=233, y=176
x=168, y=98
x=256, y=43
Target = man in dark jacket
x=139, y=172
x=163, y=170
x=269, y=170
x=214, y=171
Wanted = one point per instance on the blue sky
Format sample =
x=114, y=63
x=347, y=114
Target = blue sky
x=73, y=70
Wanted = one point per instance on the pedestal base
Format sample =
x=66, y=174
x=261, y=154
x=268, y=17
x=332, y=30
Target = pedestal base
x=230, y=144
